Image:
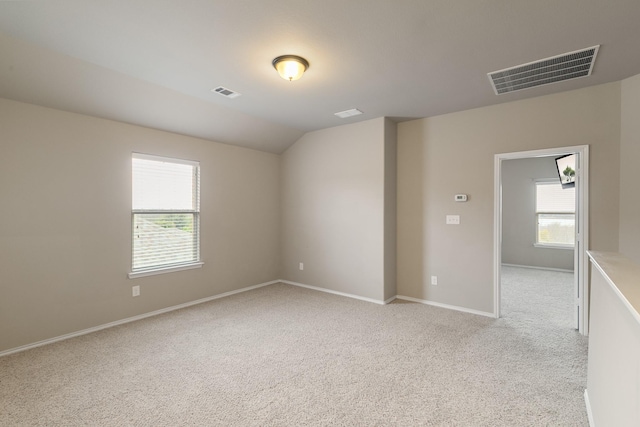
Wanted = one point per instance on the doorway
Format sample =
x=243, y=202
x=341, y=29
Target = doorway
x=580, y=263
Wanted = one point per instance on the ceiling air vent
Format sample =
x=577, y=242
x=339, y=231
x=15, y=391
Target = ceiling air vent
x=348, y=113
x=567, y=66
x=225, y=92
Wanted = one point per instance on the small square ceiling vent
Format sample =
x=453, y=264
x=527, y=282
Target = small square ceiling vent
x=567, y=66
x=225, y=92
x=348, y=113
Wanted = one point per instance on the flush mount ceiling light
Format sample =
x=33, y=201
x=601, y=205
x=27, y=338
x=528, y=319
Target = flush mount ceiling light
x=290, y=67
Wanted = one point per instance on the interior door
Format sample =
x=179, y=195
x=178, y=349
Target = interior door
x=577, y=267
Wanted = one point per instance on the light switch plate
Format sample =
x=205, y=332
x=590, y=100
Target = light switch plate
x=453, y=219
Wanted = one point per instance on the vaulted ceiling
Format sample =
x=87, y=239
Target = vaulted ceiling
x=154, y=62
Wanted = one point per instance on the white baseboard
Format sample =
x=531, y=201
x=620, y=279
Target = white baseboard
x=563, y=270
x=226, y=294
x=589, y=413
x=343, y=294
x=393, y=298
x=131, y=319
x=447, y=306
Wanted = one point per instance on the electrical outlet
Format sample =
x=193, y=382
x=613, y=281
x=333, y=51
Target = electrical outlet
x=434, y=280
x=135, y=291
x=301, y=266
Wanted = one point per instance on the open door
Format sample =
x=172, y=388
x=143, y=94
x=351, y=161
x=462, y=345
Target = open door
x=581, y=227
x=581, y=264
x=577, y=271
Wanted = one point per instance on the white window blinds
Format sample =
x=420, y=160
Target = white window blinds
x=165, y=212
x=551, y=197
x=555, y=214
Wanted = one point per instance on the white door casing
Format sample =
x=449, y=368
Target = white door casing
x=581, y=264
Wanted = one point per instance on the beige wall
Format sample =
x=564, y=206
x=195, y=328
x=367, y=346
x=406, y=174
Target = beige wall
x=454, y=153
x=329, y=201
x=518, y=215
x=65, y=243
x=333, y=210
x=629, y=168
x=614, y=337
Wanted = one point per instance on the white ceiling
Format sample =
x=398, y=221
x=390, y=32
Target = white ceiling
x=154, y=62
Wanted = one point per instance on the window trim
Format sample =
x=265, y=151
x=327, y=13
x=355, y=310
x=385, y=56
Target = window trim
x=165, y=159
x=536, y=219
x=162, y=270
x=169, y=268
x=554, y=246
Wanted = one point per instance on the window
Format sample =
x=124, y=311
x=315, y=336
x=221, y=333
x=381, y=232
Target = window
x=555, y=215
x=165, y=215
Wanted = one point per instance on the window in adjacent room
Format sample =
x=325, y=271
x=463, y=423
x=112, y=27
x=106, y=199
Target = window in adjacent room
x=555, y=215
x=165, y=214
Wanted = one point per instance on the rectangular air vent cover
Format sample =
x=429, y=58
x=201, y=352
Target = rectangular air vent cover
x=348, y=113
x=225, y=92
x=567, y=66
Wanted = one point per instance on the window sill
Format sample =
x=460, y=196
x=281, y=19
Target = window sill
x=552, y=246
x=154, y=271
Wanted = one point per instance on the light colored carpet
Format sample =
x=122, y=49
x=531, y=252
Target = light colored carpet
x=287, y=356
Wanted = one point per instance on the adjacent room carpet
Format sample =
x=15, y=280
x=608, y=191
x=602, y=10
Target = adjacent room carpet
x=287, y=356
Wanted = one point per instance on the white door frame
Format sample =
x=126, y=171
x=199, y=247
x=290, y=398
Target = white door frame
x=581, y=267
